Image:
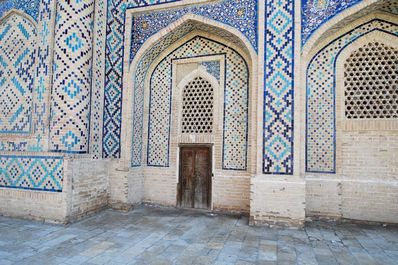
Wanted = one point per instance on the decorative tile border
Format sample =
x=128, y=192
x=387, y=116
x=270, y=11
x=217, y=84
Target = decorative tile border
x=44, y=173
x=320, y=99
x=279, y=87
x=232, y=12
x=98, y=82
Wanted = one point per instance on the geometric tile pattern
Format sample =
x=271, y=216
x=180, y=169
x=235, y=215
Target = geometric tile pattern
x=237, y=13
x=314, y=13
x=320, y=124
x=42, y=86
x=30, y=7
x=44, y=173
x=70, y=106
x=98, y=82
x=279, y=84
x=17, y=73
x=235, y=106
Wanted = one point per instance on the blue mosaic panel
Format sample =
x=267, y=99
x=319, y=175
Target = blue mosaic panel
x=70, y=106
x=321, y=126
x=279, y=85
x=235, y=124
x=17, y=73
x=213, y=68
x=314, y=13
x=32, y=172
x=30, y=7
x=237, y=13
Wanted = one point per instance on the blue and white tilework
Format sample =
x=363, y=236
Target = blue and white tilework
x=17, y=73
x=213, y=68
x=98, y=83
x=37, y=141
x=237, y=13
x=314, y=13
x=235, y=104
x=278, y=92
x=30, y=7
x=44, y=173
x=321, y=124
x=70, y=103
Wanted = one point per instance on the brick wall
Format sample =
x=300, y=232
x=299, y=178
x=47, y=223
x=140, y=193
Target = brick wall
x=277, y=201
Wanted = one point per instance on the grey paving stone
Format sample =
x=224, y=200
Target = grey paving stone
x=174, y=236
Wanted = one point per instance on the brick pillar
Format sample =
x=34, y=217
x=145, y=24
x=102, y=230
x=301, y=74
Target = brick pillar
x=70, y=100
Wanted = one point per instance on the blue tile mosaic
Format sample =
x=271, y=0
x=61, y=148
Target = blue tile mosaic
x=279, y=87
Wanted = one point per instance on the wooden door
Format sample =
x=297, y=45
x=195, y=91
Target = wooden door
x=195, y=177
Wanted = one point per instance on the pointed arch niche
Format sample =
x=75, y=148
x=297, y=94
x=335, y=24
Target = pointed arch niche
x=220, y=63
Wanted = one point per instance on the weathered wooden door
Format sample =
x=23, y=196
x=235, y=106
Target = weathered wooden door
x=195, y=177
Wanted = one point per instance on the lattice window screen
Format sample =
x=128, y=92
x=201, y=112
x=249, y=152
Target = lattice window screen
x=197, y=107
x=371, y=82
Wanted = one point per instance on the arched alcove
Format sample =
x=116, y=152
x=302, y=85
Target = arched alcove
x=350, y=157
x=154, y=88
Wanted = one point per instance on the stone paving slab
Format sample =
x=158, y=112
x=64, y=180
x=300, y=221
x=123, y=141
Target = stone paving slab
x=155, y=235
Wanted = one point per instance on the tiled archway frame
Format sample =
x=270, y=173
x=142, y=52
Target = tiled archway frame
x=38, y=139
x=235, y=124
x=152, y=49
x=320, y=99
x=239, y=14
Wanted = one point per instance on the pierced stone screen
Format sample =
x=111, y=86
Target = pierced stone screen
x=197, y=107
x=371, y=82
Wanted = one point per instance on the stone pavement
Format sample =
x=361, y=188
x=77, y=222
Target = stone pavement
x=150, y=235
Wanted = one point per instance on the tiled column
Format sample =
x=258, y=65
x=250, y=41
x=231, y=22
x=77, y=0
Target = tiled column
x=70, y=101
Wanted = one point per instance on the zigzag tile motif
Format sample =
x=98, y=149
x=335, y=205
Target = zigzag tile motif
x=235, y=105
x=30, y=7
x=70, y=106
x=17, y=73
x=278, y=95
x=98, y=82
x=320, y=137
x=242, y=18
x=32, y=172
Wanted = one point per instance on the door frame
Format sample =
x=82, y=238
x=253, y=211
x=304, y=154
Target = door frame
x=210, y=146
